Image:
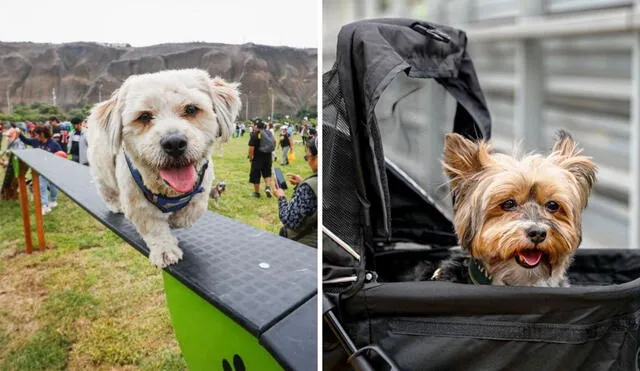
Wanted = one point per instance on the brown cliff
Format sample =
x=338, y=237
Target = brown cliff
x=83, y=72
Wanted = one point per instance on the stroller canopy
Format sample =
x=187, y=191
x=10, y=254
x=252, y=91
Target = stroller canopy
x=357, y=206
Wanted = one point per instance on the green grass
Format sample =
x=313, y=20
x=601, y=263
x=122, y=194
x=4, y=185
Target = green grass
x=90, y=301
x=47, y=349
x=233, y=168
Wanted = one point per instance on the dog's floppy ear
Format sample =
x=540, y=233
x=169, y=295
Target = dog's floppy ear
x=226, y=105
x=107, y=119
x=566, y=154
x=463, y=158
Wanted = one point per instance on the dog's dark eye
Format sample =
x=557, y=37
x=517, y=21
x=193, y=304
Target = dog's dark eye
x=191, y=110
x=145, y=117
x=552, y=206
x=509, y=205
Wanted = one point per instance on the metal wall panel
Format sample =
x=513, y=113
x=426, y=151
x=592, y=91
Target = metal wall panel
x=587, y=92
x=556, y=6
x=482, y=10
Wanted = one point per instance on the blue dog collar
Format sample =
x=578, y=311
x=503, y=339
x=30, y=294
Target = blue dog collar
x=164, y=203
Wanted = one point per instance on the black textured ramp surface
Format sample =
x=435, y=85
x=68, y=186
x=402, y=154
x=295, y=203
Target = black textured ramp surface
x=255, y=277
x=290, y=339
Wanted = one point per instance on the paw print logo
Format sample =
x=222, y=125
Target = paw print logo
x=238, y=364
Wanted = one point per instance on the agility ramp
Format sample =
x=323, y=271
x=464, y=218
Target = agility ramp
x=241, y=298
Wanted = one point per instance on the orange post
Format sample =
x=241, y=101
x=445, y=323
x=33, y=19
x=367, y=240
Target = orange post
x=24, y=207
x=35, y=178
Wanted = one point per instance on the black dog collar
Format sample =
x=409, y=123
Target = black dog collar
x=478, y=273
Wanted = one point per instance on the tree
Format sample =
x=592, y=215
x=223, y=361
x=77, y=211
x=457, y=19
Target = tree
x=306, y=111
x=21, y=112
x=49, y=109
x=80, y=112
x=87, y=109
x=75, y=113
x=38, y=112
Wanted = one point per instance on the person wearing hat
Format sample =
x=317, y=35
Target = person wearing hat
x=78, y=142
x=60, y=132
x=56, y=137
x=305, y=134
x=286, y=144
x=261, y=161
x=300, y=216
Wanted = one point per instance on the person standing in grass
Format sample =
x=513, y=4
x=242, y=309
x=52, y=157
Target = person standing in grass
x=57, y=138
x=261, y=144
x=300, y=216
x=272, y=130
x=42, y=139
x=78, y=146
x=305, y=134
x=286, y=144
x=62, y=130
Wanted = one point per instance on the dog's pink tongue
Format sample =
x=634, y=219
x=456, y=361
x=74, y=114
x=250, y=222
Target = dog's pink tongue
x=181, y=179
x=531, y=257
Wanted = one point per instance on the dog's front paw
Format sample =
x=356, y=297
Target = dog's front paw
x=114, y=208
x=111, y=198
x=165, y=255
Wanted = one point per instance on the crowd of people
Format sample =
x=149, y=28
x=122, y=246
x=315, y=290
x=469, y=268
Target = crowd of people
x=298, y=215
x=66, y=140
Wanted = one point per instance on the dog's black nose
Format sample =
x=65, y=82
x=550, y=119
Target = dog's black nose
x=536, y=234
x=174, y=144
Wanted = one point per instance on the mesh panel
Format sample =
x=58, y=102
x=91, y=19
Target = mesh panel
x=413, y=116
x=341, y=212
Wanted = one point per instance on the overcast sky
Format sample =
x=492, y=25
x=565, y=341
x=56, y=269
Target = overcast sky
x=146, y=22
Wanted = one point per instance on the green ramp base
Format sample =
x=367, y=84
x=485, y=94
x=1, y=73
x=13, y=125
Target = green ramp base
x=208, y=338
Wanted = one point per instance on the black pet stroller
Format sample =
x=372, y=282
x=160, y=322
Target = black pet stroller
x=387, y=224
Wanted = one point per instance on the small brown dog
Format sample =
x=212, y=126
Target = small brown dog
x=519, y=221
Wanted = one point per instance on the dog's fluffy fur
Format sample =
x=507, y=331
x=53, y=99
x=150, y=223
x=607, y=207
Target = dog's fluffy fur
x=520, y=218
x=117, y=126
x=216, y=192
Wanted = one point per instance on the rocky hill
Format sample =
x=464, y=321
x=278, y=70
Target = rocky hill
x=84, y=72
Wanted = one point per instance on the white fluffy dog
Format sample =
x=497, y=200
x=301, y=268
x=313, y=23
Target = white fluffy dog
x=149, y=151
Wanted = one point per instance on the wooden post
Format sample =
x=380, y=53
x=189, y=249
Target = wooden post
x=9, y=188
x=24, y=207
x=35, y=178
